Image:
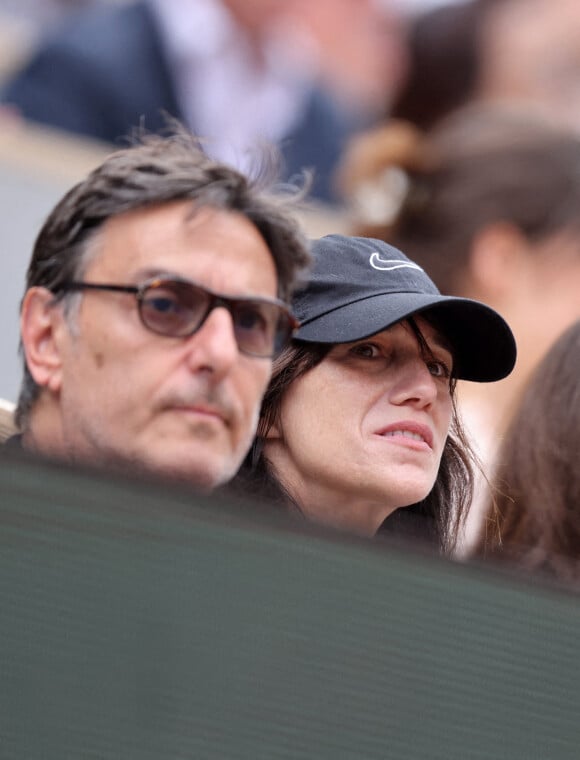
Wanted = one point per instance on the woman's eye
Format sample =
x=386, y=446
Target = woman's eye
x=366, y=350
x=439, y=369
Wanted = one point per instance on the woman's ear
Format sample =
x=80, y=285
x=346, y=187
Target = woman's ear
x=499, y=253
x=40, y=324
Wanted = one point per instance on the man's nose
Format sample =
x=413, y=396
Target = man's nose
x=213, y=348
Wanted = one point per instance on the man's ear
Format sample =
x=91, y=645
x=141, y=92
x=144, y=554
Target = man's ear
x=41, y=324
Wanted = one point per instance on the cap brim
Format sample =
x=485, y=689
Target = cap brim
x=482, y=343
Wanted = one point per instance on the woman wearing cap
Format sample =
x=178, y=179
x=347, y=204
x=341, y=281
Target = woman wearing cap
x=488, y=205
x=359, y=417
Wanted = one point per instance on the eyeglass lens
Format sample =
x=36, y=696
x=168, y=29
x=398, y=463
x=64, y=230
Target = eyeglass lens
x=178, y=309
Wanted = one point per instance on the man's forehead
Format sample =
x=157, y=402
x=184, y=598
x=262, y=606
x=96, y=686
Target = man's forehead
x=159, y=229
x=175, y=215
x=219, y=247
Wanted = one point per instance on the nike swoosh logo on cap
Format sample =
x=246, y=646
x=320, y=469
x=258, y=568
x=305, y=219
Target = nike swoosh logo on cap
x=387, y=265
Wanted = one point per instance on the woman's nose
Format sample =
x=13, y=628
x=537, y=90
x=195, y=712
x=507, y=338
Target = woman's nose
x=414, y=383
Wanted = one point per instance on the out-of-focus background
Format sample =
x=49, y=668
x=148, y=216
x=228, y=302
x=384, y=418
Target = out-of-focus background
x=76, y=76
x=37, y=166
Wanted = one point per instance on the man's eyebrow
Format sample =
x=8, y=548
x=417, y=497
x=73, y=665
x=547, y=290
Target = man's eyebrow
x=150, y=273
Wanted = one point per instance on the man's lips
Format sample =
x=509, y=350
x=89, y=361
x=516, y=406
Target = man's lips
x=408, y=431
x=202, y=410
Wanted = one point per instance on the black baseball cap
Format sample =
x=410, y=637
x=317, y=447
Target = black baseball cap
x=360, y=286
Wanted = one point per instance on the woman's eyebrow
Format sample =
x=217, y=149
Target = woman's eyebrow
x=440, y=341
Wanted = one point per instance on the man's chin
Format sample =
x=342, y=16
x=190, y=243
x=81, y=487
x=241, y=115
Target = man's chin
x=203, y=475
x=199, y=467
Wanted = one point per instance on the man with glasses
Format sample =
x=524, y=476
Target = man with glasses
x=156, y=300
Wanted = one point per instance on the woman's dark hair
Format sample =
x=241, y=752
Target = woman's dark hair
x=534, y=519
x=430, y=194
x=438, y=518
x=444, y=55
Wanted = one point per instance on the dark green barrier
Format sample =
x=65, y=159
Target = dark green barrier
x=138, y=623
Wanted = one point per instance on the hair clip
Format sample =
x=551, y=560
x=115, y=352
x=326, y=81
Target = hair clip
x=378, y=201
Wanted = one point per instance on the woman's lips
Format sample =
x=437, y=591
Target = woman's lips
x=408, y=432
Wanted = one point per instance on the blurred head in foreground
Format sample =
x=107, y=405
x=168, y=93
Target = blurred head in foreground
x=534, y=520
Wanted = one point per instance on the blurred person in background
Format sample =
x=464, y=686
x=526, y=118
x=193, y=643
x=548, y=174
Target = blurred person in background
x=358, y=428
x=531, y=55
x=534, y=521
x=443, y=62
x=299, y=74
x=358, y=48
x=7, y=426
x=487, y=204
x=492, y=51
x=23, y=22
x=39, y=13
